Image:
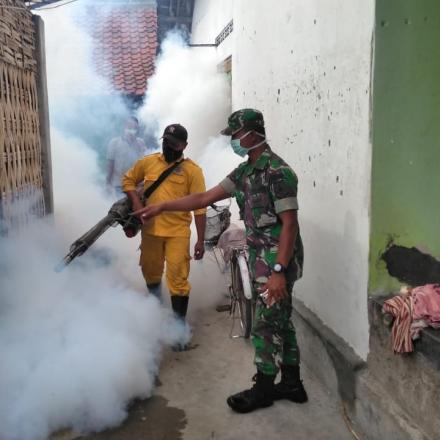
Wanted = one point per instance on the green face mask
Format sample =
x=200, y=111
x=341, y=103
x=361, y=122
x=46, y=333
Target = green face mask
x=239, y=149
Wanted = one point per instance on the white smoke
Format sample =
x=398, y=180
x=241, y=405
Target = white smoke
x=69, y=56
x=80, y=203
x=187, y=89
x=78, y=346
x=82, y=103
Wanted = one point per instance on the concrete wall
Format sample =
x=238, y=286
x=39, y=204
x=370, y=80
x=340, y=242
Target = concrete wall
x=209, y=19
x=406, y=125
x=43, y=113
x=307, y=66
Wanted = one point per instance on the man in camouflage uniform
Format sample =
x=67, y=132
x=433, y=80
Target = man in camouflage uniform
x=265, y=188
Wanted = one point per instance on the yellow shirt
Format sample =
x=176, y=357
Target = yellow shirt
x=186, y=179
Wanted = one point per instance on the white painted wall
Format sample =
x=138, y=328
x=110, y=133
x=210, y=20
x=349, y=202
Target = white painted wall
x=209, y=19
x=307, y=65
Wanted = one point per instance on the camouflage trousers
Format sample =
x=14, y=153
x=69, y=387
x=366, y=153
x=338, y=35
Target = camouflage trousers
x=273, y=333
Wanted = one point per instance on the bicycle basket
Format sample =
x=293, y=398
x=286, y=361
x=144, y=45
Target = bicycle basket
x=218, y=219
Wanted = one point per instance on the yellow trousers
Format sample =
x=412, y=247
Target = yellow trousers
x=174, y=251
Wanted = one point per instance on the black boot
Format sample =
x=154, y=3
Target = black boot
x=156, y=290
x=290, y=387
x=179, y=305
x=259, y=396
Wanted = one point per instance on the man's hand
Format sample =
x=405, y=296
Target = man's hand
x=137, y=206
x=199, y=250
x=147, y=212
x=276, y=288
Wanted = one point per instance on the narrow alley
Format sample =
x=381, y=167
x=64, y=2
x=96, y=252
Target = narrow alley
x=279, y=155
x=189, y=400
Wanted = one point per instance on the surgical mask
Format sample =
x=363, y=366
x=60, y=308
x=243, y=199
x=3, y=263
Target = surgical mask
x=170, y=154
x=130, y=132
x=242, y=151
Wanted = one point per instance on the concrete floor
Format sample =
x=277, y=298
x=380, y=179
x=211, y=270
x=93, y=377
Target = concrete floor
x=189, y=401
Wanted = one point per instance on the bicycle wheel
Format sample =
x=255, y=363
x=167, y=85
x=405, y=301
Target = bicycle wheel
x=244, y=304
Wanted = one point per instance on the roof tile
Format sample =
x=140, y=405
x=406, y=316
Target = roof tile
x=125, y=46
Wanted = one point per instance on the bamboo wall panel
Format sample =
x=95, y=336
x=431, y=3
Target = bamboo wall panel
x=17, y=37
x=21, y=194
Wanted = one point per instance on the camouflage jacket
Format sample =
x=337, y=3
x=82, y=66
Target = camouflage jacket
x=263, y=190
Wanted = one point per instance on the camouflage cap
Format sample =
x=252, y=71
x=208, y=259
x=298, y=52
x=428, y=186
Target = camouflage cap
x=244, y=118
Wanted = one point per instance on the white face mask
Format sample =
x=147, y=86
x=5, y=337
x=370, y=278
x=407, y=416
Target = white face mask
x=130, y=132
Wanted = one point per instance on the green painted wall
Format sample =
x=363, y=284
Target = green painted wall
x=405, y=199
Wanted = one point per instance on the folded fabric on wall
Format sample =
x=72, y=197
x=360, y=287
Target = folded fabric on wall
x=415, y=309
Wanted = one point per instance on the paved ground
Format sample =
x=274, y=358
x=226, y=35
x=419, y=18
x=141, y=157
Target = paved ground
x=189, y=402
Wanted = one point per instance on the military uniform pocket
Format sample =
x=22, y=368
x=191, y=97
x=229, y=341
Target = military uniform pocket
x=262, y=210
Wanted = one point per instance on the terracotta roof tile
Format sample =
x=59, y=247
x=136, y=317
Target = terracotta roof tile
x=125, y=46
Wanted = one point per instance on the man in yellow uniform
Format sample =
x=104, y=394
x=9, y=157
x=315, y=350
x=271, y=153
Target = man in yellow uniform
x=166, y=238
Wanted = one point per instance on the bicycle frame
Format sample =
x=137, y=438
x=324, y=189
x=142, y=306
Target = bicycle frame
x=242, y=307
x=231, y=255
x=242, y=260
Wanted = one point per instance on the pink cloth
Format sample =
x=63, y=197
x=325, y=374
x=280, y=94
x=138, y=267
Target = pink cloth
x=418, y=309
x=401, y=308
x=426, y=304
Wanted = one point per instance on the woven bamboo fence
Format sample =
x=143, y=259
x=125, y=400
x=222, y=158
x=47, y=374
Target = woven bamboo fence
x=21, y=186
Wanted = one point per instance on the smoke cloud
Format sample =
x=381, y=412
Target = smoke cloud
x=78, y=346
x=187, y=89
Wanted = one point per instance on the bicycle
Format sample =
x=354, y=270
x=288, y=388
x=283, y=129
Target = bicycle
x=241, y=291
x=228, y=245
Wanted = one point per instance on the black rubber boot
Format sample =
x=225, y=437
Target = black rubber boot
x=155, y=290
x=259, y=396
x=179, y=305
x=290, y=387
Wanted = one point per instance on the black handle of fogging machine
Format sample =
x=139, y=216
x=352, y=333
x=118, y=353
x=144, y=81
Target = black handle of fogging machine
x=132, y=226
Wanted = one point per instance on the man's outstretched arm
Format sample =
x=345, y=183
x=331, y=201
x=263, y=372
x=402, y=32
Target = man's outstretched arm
x=188, y=203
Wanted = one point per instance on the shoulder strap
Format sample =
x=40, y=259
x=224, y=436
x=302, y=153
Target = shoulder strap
x=160, y=179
